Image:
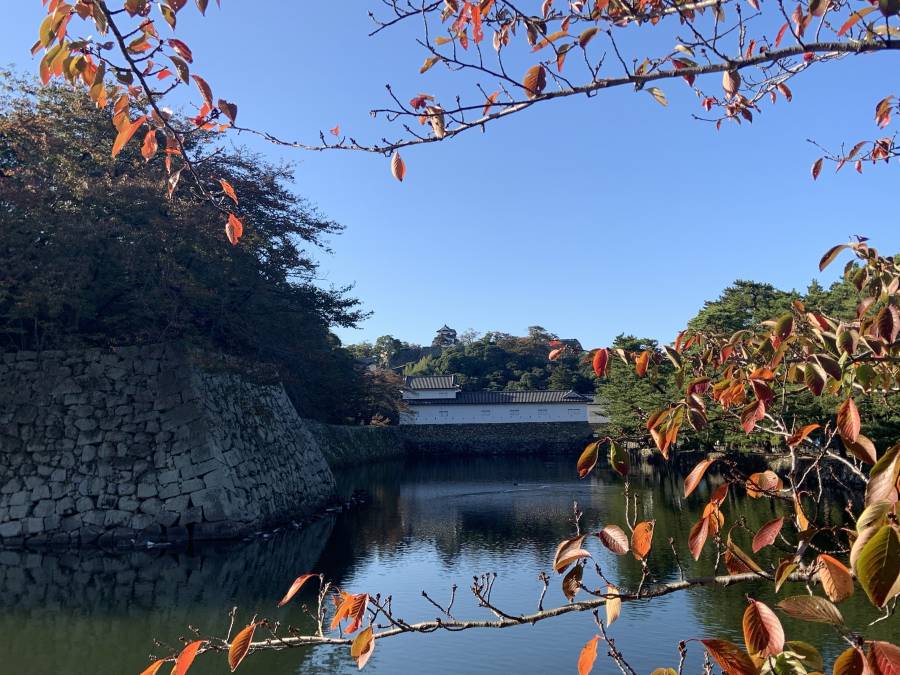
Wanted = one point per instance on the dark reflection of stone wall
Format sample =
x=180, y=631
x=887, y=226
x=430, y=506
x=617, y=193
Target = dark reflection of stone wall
x=246, y=573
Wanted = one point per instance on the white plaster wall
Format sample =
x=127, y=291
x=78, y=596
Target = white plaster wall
x=410, y=395
x=496, y=414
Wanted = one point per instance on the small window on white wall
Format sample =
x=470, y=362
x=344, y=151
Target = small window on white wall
x=444, y=413
x=542, y=412
x=574, y=411
x=513, y=413
x=485, y=413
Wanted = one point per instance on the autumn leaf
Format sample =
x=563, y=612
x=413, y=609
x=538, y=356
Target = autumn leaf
x=731, y=658
x=567, y=552
x=812, y=608
x=295, y=588
x=234, y=229
x=186, y=657
x=588, y=459
x=587, y=656
x=240, y=646
x=429, y=62
x=696, y=475
x=848, y=421
x=642, y=539
x=154, y=667
x=783, y=572
x=619, y=459
x=830, y=255
x=398, y=168
x=362, y=647
x=863, y=449
x=335, y=131
x=763, y=633
x=230, y=110
x=614, y=538
x=641, y=363
x=767, y=534
x=600, y=361
x=801, y=435
x=817, y=168
x=659, y=95
x=535, y=80
x=150, y=145
x=835, y=577
x=489, y=103
x=851, y=662
x=571, y=583
x=125, y=134
x=884, y=657
x=613, y=605
x=697, y=537
x=878, y=566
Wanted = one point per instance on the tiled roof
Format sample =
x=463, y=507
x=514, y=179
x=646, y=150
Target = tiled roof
x=419, y=382
x=506, y=398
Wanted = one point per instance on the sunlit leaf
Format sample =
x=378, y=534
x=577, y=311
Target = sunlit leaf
x=763, y=633
x=836, y=579
x=614, y=538
x=234, y=229
x=878, y=566
x=659, y=95
x=767, y=534
x=883, y=477
x=228, y=190
x=851, y=662
x=186, y=657
x=295, y=588
x=613, y=605
x=587, y=656
x=240, y=646
x=642, y=539
x=731, y=658
x=848, y=421
x=697, y=537
x=154, y=667
x=619, y=459
x=884, y=658
x=600, y=361
x=125, y=134
x=783, y=572
x=362, y=647
x=588, y=459
x=696, y=475
x=812, y=608
x=398, y=167
x=535, y=80
x=571, y=583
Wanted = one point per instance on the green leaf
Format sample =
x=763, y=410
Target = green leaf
x=619, y=459
x=878, y=566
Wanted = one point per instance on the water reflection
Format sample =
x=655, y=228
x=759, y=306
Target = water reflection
x=427, y=525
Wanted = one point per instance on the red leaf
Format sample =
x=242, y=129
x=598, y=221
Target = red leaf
x=181, y=49
x=240, y=646
x=230, y=110
x=780, y=35
x=767, y=534
x=205, y=90
x=697, y=537
x=336, y=131
x=848, y=421
x=817, y=168
x=600, y=361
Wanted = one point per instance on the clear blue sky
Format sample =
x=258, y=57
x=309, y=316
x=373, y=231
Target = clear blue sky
x=588, y=217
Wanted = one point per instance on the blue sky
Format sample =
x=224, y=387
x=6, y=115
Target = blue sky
x=588, y=217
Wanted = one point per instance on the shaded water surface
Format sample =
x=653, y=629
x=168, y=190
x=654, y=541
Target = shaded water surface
x=428, y=525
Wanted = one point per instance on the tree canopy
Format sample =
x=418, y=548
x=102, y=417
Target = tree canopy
x=92, y=256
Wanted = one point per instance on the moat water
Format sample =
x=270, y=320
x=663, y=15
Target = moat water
x=427, y=525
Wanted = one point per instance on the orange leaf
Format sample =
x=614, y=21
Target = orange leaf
x=642, y=539
x=150, y=146
x=641, y=363
x=800, y=435
x=600, y=361
x=587, y=656
x=229, y=190
x=230, y=110
x=836, y=578
x=154, y=667
x=125, y=134
x=489, y=103
x=696, y=475
x=234, y=229
x=336, y=131
x=535, y=80
x=186, y=657
x=851, y=662
x=398, y=168
x=295, y=588
x=240, y=645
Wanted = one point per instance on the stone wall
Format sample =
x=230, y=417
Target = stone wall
x=148, y=444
